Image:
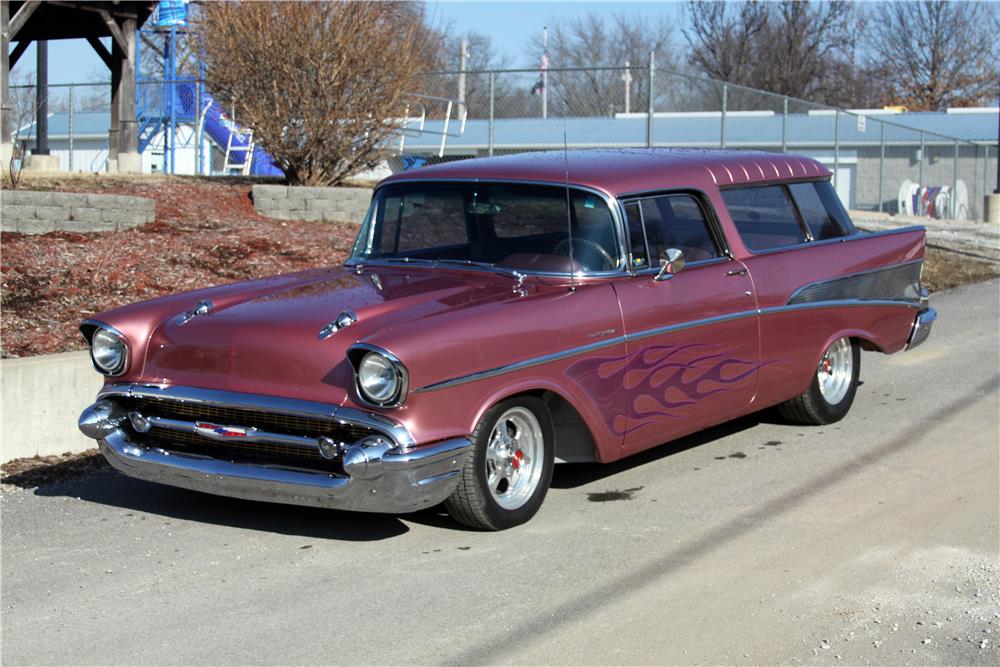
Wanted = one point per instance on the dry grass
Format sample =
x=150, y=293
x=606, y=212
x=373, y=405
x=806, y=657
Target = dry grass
x=944, y=269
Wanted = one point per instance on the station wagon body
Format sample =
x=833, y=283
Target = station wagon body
x=499, y=315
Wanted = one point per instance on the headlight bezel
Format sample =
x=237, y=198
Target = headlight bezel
x=90, y=330
x=357, y=355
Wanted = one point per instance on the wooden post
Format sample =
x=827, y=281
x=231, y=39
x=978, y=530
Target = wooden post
x=128, y=129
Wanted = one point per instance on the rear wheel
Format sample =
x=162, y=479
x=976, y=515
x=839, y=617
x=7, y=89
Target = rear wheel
x=832, y=390
x=507, y=476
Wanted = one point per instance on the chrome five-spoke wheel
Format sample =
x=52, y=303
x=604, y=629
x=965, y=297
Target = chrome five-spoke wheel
x=831, y=392
x=507, y=475
x=513, y=458
x=835, y=371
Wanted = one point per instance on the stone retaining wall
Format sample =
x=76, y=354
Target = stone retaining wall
x=304, y=203
x=31, y=212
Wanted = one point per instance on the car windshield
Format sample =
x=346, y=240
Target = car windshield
x=513, y=226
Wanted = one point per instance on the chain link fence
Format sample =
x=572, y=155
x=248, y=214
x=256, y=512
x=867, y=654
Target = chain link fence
x=883, y=161
x=878, y=160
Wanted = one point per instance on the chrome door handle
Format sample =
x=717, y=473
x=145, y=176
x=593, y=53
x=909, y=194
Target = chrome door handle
x=737, y=272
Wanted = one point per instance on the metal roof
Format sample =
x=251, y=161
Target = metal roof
x=620, y=171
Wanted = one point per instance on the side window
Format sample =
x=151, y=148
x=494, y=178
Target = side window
x=834, y=206
x=822, y=223
x=764, y=217
x=637, y=239
x=677, y=221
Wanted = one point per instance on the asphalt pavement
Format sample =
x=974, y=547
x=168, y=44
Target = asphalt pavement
x=872, y=541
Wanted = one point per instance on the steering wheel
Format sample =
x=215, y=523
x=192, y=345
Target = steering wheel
x=607, y=261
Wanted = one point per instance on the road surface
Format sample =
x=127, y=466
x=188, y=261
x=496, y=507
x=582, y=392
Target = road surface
x=871, y=541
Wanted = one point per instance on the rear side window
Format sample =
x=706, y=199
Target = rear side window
x=764, y=217
x=823, y=223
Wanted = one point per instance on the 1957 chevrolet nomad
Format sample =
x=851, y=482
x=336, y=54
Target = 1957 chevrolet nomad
x=498, y=315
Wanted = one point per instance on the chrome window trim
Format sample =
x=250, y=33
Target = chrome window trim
x=716, y=231
x=658, y=331
x=858, y=235
x=400, y=367
x=609, y=199
x=262, y=403
x=107, y=327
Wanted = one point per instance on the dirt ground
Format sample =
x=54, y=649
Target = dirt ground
x=206, y=233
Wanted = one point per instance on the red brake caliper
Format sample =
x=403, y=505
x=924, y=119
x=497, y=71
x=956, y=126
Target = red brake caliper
x=516, y=460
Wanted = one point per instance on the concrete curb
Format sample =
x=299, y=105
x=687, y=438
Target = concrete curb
x=42, y=398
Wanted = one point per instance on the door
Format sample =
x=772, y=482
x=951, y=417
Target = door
x=692, y=338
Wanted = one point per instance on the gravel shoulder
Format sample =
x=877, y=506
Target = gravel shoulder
x=871, y=541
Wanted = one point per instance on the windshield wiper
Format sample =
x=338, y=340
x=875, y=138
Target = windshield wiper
x=516, y=275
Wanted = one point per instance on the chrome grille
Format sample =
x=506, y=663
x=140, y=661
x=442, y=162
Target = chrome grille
x=237, y=449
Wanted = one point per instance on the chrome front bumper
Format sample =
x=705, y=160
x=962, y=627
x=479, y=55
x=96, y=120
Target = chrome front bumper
x=408, y=482
x=921, y=327
x=384, y=474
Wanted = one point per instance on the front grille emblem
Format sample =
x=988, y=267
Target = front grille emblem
x=216, y=431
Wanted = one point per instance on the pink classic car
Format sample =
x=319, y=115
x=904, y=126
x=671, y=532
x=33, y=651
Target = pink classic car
x=499, y=315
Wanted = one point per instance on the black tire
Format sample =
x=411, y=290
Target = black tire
x=812, y=408
x=473, y=504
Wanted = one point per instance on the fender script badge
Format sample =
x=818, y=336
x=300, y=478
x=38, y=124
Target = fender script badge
x=601, y=334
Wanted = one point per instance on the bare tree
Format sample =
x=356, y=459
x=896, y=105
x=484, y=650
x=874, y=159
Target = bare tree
x=592, y=41
x=481, y=57
x=937, y=53
x=323, y=85
x=23, y=112
x=789, y=47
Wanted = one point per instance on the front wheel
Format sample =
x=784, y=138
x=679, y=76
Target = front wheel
x=508, y=473
x=832, y=390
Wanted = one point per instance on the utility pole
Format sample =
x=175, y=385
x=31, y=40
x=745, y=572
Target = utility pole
x=545, y=72
x=627, y=78
x=462, y=56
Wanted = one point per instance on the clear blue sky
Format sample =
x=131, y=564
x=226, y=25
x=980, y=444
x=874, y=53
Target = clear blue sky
x=510, y=25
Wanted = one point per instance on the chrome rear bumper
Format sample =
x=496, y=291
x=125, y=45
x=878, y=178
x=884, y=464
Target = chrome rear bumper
x=921, y=327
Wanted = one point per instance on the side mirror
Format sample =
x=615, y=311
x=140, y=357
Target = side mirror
x=672, y=262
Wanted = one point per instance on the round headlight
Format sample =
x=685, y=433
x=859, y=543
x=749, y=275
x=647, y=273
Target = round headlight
x=378, y=378
x=107, y=349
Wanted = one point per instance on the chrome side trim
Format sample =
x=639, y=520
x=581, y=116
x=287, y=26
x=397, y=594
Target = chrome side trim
x=899, y=282
x=659, y=331
x=289, y=406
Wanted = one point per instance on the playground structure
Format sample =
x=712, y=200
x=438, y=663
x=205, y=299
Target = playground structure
x=173, y=109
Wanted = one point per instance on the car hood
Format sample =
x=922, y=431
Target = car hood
x=266, y=340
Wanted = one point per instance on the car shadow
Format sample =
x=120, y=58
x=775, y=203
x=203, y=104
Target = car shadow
x=573, y=475
x=113, y=489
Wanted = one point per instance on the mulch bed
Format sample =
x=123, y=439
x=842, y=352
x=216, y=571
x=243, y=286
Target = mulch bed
x=206, y=233
x=42, y=470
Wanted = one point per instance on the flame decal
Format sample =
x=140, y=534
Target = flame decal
x=659, y=381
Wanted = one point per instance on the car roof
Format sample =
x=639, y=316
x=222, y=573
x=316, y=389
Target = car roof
x=620, y=171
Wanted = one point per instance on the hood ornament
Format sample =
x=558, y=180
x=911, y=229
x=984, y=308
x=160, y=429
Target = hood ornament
x=344, y=320
x=200, y=308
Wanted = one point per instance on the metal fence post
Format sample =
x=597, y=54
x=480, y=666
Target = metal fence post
x=197, y=128
x=725, y=103
x=72, y=126
x=836, y=152
x=649, y=114
x=784, y=125
x=493, y=81
x=881, y=167
x=920, y=177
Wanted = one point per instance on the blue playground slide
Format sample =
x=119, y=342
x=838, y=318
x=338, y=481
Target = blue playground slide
x=219, y=127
